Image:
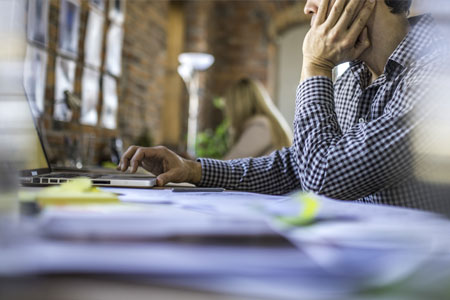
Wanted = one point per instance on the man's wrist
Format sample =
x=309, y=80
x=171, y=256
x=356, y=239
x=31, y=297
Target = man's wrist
x=195, y=169
x=312, y=69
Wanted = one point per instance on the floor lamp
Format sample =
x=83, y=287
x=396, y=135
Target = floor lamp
x=191, y=63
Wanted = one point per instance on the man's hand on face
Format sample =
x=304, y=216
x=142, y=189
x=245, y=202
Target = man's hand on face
x=339, y=37
x=165, y=164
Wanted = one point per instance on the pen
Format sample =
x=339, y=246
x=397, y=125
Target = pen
x=197, y=190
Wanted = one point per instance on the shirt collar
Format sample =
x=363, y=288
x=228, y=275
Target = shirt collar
x=415, y=44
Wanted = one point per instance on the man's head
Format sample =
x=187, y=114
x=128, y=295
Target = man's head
x=385, y=28
x=399, y=6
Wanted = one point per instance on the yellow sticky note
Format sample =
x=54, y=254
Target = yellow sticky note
x=76, y=191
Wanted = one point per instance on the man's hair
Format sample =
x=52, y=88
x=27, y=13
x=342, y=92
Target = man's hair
x=399, y=6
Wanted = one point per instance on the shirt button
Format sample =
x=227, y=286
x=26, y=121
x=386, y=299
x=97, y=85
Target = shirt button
x=361, y=120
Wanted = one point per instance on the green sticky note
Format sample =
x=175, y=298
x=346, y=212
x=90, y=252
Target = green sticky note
x=309, y=207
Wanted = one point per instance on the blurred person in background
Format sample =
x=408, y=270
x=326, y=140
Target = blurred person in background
x=352, y=139
x=257, y=127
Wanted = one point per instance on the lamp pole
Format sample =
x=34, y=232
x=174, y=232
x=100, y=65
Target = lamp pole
x=193, y=88
x=191, y=64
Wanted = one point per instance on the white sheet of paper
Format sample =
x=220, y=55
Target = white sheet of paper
x=69, y=25
x=38, y=21
x=35, y=75
x=64, y=81
x=237, y=204
x=89, y=96
x=152, y=258
x=110, y=103
x=94, y=38
x=114, y=41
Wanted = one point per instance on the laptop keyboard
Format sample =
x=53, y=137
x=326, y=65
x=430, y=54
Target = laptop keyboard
x=72, y=175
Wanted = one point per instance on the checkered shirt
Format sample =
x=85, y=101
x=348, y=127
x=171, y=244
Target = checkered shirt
x=352, y=140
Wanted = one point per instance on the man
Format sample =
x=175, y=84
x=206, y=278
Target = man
x=352, y=140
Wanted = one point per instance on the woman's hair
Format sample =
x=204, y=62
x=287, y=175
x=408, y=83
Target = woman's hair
x=248, y=98
x=399, y=6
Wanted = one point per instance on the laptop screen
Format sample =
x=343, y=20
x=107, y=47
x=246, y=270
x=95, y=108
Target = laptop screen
x=38, y=158
x=21, y=138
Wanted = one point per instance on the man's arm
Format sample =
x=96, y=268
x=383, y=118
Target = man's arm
x=276, y=173
x=372, y=155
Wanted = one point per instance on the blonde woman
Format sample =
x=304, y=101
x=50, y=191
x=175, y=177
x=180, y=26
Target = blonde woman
x=257, y=127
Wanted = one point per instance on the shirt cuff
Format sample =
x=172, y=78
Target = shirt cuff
x=214, y=172
x=315, y=89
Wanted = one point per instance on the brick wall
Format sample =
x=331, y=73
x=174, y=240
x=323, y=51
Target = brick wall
x=242, y=37
x=144, y=70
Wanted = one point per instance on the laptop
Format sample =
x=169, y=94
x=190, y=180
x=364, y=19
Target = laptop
x=39, y=171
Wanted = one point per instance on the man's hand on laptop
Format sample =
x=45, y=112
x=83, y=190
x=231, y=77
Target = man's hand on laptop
x=165, y=164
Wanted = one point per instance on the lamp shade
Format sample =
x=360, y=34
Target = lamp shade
x=198, y=61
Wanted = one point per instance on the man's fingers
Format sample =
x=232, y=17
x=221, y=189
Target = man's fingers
x=361, y=20
x=322, y=12
x=125, y=159
x=170, y=176
x=363, y=42
x=349, y=14
x=135, y=161
x=335, y=13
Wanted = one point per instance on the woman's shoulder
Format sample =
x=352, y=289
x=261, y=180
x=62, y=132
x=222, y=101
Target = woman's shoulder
x=258, y=120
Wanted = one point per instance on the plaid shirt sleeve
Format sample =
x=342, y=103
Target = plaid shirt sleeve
x=367, y=158
x=370, y=156
x=274, y=174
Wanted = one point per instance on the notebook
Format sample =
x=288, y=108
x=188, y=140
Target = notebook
x=39, y=171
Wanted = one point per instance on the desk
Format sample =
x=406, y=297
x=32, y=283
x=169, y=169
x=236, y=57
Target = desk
x=175, y=245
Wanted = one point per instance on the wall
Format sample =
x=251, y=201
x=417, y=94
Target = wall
x=243, y=37
x=144, y=70
x=289, y=69
x=237, y=35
